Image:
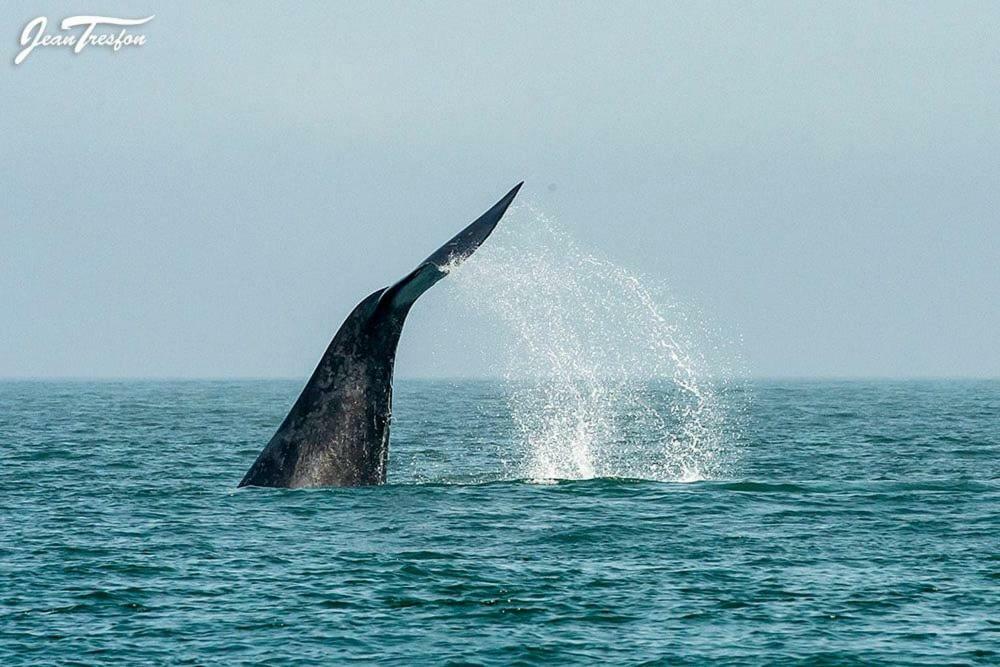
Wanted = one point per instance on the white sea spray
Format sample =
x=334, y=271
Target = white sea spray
x=606, y=374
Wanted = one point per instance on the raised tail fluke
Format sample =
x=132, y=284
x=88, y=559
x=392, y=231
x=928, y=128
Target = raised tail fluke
x=451, y=254
x=337, y=433
x=466, y=241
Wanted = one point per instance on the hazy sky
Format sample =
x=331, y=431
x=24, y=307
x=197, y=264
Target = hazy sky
x=823, y=178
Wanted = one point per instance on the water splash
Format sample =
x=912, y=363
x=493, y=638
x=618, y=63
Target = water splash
x=604, y=373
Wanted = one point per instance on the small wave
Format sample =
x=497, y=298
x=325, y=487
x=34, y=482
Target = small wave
x=763, y=487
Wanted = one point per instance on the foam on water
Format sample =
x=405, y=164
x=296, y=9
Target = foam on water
x=590, y=352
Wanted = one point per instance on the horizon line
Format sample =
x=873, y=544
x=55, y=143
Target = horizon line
x=404, y=378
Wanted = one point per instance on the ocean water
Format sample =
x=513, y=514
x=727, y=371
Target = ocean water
x=853, y=523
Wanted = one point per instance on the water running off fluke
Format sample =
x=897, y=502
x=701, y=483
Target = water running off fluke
x=606, y=375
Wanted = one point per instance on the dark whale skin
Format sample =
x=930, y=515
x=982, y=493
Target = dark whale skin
x=337, y=433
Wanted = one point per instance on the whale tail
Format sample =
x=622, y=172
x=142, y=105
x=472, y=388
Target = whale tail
x=337, y=433
x=448, y=256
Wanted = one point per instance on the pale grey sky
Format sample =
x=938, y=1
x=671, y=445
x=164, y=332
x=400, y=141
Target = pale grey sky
x=820, y=177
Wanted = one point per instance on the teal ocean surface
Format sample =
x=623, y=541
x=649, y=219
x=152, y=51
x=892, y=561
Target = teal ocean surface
x=855, y=523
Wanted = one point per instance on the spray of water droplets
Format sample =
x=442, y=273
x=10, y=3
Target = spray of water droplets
x=605, y=374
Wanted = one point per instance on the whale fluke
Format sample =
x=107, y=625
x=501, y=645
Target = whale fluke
x=337, y=432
